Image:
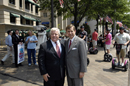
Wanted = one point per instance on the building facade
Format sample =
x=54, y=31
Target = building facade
x=17, y=14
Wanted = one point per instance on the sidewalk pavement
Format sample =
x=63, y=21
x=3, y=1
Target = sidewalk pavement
x=99, y=73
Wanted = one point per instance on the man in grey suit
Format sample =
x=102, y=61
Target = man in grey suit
x=76, y=57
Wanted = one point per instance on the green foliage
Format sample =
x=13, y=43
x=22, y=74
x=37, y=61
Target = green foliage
x=87, y=28
x=90, y=8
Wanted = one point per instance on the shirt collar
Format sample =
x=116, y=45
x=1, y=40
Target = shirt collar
x=73, y=38
x=54, y=42
x=122, y=33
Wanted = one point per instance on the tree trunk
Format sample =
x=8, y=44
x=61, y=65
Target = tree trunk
x=75, y=15
x=97, y=25
x=112, y=31
x=114, y=27
x=103, y=28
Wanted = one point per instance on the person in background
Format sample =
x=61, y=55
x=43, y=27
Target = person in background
x=108, y=40
x=90, y=41
x=83, y=34
x=121, y=39
x=31, y=41
x=51, y=60
x=10, y=50
x=16, y=39
x=94, y=38
x=41, y=37
x=100, y=40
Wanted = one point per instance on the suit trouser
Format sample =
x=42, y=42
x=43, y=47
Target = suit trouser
x=54, y=82
x=16, y=55
x=74, y=81
x=8, y=54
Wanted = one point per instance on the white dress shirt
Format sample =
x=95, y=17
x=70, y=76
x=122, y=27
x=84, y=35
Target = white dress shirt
x=54, y=45
x=122, y=39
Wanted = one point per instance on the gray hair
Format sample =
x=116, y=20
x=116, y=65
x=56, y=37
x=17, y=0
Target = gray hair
x=55, y=29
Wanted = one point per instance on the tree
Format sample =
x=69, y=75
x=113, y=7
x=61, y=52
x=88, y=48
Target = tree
x=89, y=8
x=72, y=8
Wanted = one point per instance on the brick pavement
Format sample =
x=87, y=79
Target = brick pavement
x=99, y=73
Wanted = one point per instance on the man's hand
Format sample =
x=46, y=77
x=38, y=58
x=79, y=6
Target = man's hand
x=10, y=48
x=31, y=41
x=20, y=42
x=81, y=74
x=45, y=77
x=125, y=44
x=103, y=40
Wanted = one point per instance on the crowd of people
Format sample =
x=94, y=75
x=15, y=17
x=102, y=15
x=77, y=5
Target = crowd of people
x=57, y=56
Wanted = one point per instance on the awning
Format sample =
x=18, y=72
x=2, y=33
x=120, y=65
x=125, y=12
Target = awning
x=14, y=15
x=48, y=30
x=32, y=3
x=62, y=31
x=28, y=18
x=38, y=20
x=45, y=22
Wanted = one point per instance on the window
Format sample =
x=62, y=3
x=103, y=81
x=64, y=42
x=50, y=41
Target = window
x=20, y=3
x=36, y=10
x=28, y=22
x=37, y=23
x=31, y=7
x=45, y=14
x=12, y=1
x=27, y=5
x=31, y=22
x=12, y=19
x=21, y=20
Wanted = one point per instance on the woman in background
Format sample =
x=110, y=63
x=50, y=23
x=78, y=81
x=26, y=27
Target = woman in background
x=31, y=45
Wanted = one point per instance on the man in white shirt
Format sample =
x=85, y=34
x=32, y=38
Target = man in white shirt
x=122, y=40
x=10, y=50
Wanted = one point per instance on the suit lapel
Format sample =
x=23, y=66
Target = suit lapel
x=67, y=42
x=73, y=43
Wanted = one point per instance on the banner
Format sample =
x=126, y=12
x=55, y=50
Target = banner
x=20, y=53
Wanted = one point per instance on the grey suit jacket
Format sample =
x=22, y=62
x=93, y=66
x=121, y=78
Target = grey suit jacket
x=76, y=57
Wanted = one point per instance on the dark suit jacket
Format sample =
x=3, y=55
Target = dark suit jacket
x=49, y=62
x=16, y=40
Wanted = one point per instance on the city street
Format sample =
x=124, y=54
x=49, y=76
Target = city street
x=99, y=73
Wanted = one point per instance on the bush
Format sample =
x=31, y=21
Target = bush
x=87, y=28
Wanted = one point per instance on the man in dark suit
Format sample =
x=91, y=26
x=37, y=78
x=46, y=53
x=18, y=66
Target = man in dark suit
x=16, y=39
x=51, y=60
x=76, y=57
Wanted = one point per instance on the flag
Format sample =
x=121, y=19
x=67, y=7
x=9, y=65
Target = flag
x=108, y=19
x=79, y=0
x=61, y=3
x=35, y=1
x=119, y=23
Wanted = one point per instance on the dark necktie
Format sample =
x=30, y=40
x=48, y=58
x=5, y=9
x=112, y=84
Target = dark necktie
x=57, y=49
x=70, y=44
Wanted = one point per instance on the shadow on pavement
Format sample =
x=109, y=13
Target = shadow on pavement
x=25, y=73
x=114, y=70
x=99, y=61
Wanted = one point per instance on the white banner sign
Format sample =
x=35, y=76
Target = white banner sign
x=20, y=53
